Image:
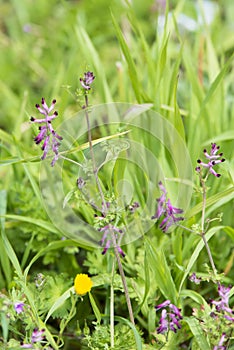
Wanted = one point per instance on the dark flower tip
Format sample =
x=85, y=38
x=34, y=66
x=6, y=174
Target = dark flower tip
x=87, y=80
x=46, y=131
x=213, y=159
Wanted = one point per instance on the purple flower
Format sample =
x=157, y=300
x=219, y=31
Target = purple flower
x=37, y=335
x=164, y=304
x=169, y=320
x=161, y=202
x=213, y=159
x=105, y=240
x=221, y=341
x=166, y=210
x=193, y=278
x=19, y=307
x=87, y=80
x=163, y=323
x=222, y=304
x=229, y=318
x=174, y=322
x=46, y=132
x=121, y=252
x=176, y=311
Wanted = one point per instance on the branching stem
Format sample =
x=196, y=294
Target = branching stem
x=105, y=210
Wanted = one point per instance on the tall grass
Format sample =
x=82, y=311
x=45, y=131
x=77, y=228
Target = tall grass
x=177, y=75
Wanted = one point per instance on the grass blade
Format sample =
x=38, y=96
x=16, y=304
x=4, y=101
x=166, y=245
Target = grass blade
x=198, y=333
x=163, y=277
x=197, y=251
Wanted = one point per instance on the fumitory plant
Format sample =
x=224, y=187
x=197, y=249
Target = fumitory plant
x=106, y=219
x=116, y=184
x=55, y=298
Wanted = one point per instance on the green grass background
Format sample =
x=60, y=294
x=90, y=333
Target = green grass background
x=187, y=76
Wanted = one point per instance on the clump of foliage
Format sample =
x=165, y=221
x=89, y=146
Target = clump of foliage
x=115, y=232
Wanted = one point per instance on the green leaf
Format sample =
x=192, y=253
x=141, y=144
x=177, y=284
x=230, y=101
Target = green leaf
x=68, y=197
x=215, y=84
x=163, y=54
x=230, y=231
x=93, y=58
x=95, y=308
x=12, y=256
x=136, y=334
x=188, y=293
x=210, y=201
x=147, y=284
x=5, y=263
x=51, y=246
x=197, y=251
x=162, y=273
x=131, y=65
x=198, y=333
x=4, y=136
x=7, y=250
x=225, y=136
x=5, y=326
x=49, y=336
x=40, y=223
x=59, y=302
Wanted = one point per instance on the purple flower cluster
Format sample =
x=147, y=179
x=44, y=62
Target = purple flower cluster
x=87, y=80
x=223, y=303
x=170, y=319
x=46, y=132
x=166, y=211
x=19, y=307
x=193, y=278
x=220, y=346
x=106, y=238
x=37, y=336
x=133, y=207
x=213, y=159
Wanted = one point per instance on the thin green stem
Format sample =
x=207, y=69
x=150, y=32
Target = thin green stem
x=95, y=170
x=112, y=315
x=71, y=160
x=203, y=226
x=65, y=322
x=124, y=282
x=105, y=210
x=185, y=228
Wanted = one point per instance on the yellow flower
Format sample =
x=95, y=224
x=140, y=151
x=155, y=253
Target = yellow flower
x=82, y=284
